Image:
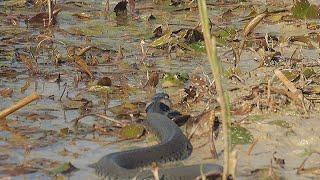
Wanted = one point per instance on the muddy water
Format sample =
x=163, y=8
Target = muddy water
x=293, y=142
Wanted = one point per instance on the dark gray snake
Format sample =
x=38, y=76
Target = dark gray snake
x=173, y=146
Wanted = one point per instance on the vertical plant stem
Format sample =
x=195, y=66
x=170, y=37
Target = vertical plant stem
x=49, y=12
x=216, y=69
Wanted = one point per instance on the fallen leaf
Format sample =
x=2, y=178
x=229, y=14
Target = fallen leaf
x=83, y=66
x=82, y=16
x=153, y=80
x=64, y=168
x=253, y=23
x=25, y=87
x=105, y=81
x=302, y=9
x=244, y=109
x=132, y=131
x=73, y=104
x=43, y=18
x=163, y=40
x=28, y=62
x=6, y=92
x=121, y=8
x=240, y=135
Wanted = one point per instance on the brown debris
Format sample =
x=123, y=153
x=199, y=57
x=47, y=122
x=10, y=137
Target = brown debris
x=153, y=80
x=295, y=94
x=23, y=102
x=43, y=18
x=83, y=66
x=6, y=92
x=28, y=62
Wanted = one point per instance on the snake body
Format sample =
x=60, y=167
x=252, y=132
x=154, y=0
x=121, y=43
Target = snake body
x=173, y=146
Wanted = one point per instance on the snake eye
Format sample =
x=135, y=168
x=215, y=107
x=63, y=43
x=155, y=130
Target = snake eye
x=178, y=75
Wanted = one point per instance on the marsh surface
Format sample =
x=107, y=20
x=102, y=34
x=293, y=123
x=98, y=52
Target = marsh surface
x=67, y=62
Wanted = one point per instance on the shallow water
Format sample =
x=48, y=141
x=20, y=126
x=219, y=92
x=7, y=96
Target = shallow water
x=82, y=147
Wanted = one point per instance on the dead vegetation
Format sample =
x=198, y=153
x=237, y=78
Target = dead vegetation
x=96, y=67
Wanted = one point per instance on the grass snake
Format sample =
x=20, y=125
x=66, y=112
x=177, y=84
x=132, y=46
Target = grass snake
x=173, y=146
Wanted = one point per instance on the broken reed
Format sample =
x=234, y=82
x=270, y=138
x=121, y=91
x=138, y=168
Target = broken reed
x=20, y=104
x=210, y=43
x=49, y=12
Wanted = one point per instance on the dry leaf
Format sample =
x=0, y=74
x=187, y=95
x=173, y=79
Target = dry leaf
x=6, y=92
x=28, y=63
x=83, y=66
x=253, y=23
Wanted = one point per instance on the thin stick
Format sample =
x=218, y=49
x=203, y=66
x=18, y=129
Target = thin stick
x=251, y=147
x=212, y=140
x=107, y=7
x=217, y=72
x=269, y=94
x=286, y=82
x=19, y=105
x=155, y=171
x=49, y=12
x=298, y=94
x=110, y=119
x=76, y=120
x=213, y=146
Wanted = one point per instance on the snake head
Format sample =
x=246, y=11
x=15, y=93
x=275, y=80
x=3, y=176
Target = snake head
x=160, y=104
x=160, y=96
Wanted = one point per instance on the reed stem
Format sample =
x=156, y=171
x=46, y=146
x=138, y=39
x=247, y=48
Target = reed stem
x=216, y=68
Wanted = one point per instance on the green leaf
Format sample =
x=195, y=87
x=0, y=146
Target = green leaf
x=163, y=40
x=281, y=123
x=304, y=10
x=240, y=135
x=225, y=34
x=132, y=131
x=308, y=72
x=64, y=168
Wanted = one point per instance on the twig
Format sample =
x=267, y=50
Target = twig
x=76, y=120
x=155, y=171
x=212, y=140
x=107, y=7
x=269, y=93
x=48, y=38
x=23, y=102
x=64, y=90
x=251, y=147
x=98, y=115
x=298, y=94
x=110, y=119
x=312, y=170
x=143, y=51
x=84, y=50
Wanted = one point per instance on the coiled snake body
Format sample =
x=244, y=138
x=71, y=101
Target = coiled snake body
x=173, y=146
